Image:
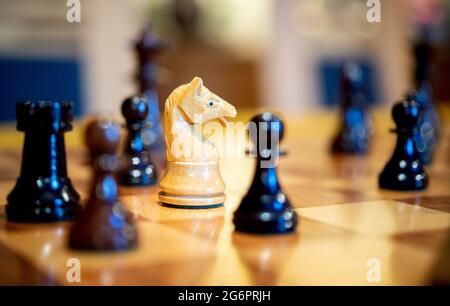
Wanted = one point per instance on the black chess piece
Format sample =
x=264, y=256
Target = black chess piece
x=147, y=48
x=428, y=124
x=423, y=57
x=265, y=209
x=355, y=128
x=140, y=170
x=43, y=192
x=405, y=171
x=103, y=224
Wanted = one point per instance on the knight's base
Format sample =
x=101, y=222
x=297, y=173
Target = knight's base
x=193, y=202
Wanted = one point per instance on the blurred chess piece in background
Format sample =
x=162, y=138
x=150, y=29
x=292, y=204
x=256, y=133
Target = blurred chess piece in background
x=356, y=126
x=147, y=48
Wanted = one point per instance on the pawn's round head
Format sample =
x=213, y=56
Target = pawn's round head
x=406, y=114
x=420, y=96
x=102, y=137
x=269, y=128
x=149, y=43
x=135, y=108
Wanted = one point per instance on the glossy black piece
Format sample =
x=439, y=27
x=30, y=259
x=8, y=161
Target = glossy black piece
x=103, y=225
x=428, y=125
x=265, y=209
x=423, y=57
x=405, y=171
x=43, y=192
x=355, y=129
x=139, y=169
x=147, y=48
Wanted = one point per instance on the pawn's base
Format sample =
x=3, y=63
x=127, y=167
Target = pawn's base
x=195, y=202
x=104, y=247
x=265, y=222
x=355, y=147
x=139, y=177
x=402, y=179
x=393, y=183
x=103, y=229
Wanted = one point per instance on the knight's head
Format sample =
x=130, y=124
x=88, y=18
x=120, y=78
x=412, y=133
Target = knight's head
x=200, y=105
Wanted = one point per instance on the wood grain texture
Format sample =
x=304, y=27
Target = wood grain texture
x=345, y=220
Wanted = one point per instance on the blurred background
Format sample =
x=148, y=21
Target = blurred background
x=284, y=54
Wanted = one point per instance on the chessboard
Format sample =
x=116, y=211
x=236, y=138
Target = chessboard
x=350, y=232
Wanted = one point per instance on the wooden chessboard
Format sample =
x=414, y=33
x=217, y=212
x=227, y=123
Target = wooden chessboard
x=348, y=226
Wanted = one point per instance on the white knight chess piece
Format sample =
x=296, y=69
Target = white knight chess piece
x=192, y=178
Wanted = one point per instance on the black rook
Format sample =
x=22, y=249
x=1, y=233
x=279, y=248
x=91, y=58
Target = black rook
x=43, y=192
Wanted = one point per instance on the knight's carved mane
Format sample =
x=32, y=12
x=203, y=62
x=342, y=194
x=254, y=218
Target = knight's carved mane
x=192, y=176
x=171, y=103
x=172, y=112
x=186, y=104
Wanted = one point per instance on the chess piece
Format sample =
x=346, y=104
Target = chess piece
x=428, y=126
x=404, y=171
x=103, y=224
x=265, y=209
x=423, y=56
x=147, y=47
x=192, y=179
x=140, y=170
x=356, y=125
x=43, y=192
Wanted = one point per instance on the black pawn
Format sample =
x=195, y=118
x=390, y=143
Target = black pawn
x=356, y=124
x=428, y=125
x=148, y=47
x=43, y=192
x=265, y=209
x=140, y=170
x=103, y=224
x=405, y=171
